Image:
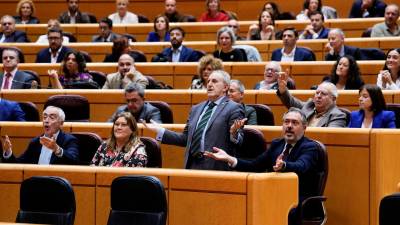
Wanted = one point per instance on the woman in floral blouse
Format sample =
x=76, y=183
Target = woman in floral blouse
x=124, y=148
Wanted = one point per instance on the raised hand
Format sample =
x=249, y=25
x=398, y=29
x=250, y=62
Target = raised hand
x=278, y=163
x=237, y=124
x=218, y=154
x=153, y=125
x=49, y=143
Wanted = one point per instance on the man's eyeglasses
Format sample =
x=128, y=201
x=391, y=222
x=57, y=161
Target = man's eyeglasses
x=233, y=26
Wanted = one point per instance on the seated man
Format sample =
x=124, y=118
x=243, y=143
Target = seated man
x=126, y=74
x=105, y=31
x=9, y=34
x=236, y=94
x=292, y=153
x=177, y=52
x=52, y=23
x=136, y=105
x=320, y=111
x=290, y=51
x=53, y=147
x=12, y=78
x=73, y=15
x=367, y=8
x=11, y=111
x=316, y=29
x=271, y=73
x=56, y=51
x=171, y=13
x=336, y=47
x=388, y=28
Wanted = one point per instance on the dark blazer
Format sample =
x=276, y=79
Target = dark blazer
x=251, y=115
x=17, y=36
x=138, y=57
x=301, y=54
x=66, y=141
x=348, y=50
x=43, y=56
x=153, y=37
x=80, y=17
x=98, y=38
x=216, y=135
x=323, y=35
x=384, y=119
x=21, y=80
x=187, y=54
x=302, y=160
x=149, y=112
x=32, y=20
x=11, y=111
x=376, y=10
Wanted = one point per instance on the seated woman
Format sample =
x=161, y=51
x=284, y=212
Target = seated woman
x=372, y=113
x=345, y=74
x=123, y=16
x=124, y=148
x=52, y=23
x=389, y=77
x=214, y=12
x=74, y=73
x=264, y=30
x=121, y=46
x=207, y=64
x=226, y=40
x=310, y=6
x=271, y=73
x=26, y=10
x=161, y=29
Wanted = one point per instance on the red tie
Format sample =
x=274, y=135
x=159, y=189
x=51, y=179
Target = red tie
x=7, y=81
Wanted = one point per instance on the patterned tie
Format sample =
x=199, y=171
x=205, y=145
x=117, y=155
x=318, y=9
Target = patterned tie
x=7, y=81
x=196, y=141
x=286, y=152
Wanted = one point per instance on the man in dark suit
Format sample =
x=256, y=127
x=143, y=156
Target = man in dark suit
x=137, y=106
x=177, y=52
x=53, y=147
x=336, y=47
x=236, y=94
x=290, y=52
x=367, y=8
x=12, y=78
x=11, y=111
x=106, y=33
x=316, y=29
x=292, y=153
x=216, y=122
x=56, y=51
x=9, y=34
x=73, y=15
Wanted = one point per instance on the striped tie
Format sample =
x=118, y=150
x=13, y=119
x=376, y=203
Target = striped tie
x=196, y=141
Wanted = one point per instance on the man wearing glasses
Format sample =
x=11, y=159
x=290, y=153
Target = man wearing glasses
x=9, y=33
x=56, y=51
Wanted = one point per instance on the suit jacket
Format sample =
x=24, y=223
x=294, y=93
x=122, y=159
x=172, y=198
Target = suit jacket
x=251, y=115
x=17, y=36
x=149, y=112
x=302, y=160
x=11, y=111
x=80, y=18
x=21, y=80
x=323, y=35
x=32, y=20
x=115, y=80
x=43, y=56
x=98, y=38
x=67, y=142
x=187, y=55
x=301, y=54
x=376, y=10
x=332, y=118
x=384, y=119
x=216, y=134
x=348, y=50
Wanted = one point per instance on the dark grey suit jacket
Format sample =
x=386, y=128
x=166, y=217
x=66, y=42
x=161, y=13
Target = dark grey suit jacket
x=97, y=38
x=21, y=80
x=149, y=112
x=217, y=134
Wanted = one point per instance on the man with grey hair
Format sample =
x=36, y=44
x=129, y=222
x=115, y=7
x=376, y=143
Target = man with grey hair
x=236, y=94
x=9, y=34
x=388, y=28
x=336, y=47
x=53, y=147
x=271, y=73
x=137, y=106
x=215, y=122
x=321, y=110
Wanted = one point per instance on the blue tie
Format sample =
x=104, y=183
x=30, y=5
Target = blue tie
x=196, y=140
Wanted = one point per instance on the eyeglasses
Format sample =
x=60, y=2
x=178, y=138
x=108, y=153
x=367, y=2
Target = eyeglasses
x=270, y=70
x=233, y=26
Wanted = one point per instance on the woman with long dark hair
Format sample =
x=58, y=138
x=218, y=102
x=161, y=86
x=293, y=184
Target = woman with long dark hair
x=389, y=77
x=345, y=74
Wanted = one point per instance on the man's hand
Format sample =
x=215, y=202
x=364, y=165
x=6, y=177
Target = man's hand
x=220, y=155
x=282, y=81
x=237, y=124
x=7, y=144
x=49, y=143
x=309, y=29
x=329, y=48
x=153, y=125
x=279, y=163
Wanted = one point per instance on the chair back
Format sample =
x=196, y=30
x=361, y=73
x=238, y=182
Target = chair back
x=98, y=77
x=165, y=110
x=153, y=151
x=30, y=110
x=34, y=75
x=46, y=200
x=395, y=107
x=322, y=168
x=265, y=115
x=138, y=56
x=254, y=144
x=88, y=144
x=389, y=209
x=75, y=107
x=348, y=114
x=137, y=200
x=71, y=37
x=372, y=54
